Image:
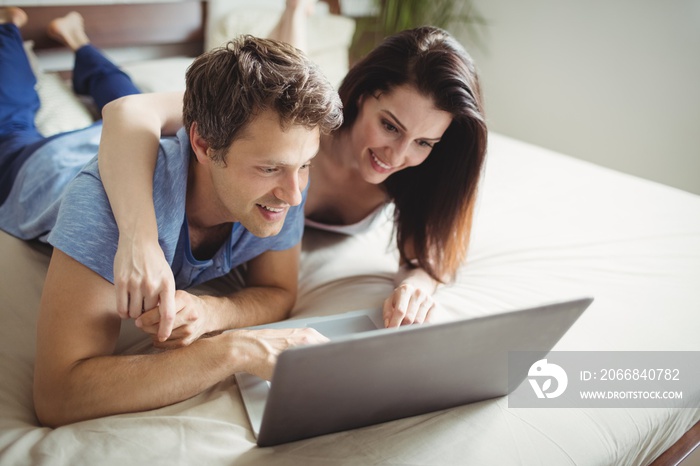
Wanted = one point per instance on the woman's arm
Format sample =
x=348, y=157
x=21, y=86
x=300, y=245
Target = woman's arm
x=127, y=156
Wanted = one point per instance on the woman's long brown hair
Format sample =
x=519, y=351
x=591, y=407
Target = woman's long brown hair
x=434, y=200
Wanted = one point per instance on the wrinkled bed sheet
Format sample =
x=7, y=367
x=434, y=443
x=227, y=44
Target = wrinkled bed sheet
x=548, y=227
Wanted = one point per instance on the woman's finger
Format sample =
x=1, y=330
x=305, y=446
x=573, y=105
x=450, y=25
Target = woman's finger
x=135, y=304
x=402, y=302
x=423, y=314
x=122, y=301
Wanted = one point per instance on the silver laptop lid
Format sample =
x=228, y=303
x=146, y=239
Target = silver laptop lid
x=383, y=375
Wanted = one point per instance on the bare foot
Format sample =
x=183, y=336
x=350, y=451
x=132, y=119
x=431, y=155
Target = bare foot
x=12, y=14
x=69, y=31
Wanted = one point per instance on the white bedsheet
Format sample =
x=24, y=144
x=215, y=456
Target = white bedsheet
x=547, y=227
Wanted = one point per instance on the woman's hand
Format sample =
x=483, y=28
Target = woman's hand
x=412, y=300
x=192, y=320
x=131, y=129
x=143, y=280
x=408, y=305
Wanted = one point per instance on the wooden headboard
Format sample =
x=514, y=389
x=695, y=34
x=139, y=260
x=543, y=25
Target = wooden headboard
x=131, y=24
x=122, y=25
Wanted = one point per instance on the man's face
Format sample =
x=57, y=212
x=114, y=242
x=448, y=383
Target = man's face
x=265, y=172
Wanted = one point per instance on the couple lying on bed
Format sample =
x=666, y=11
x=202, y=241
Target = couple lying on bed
x=229, y=188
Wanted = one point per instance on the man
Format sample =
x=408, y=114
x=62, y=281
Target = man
x=229, y=189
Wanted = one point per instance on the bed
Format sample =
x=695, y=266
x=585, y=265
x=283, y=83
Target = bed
x=547, y=227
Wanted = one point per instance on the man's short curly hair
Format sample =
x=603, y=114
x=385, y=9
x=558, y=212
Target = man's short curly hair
x=230, y=85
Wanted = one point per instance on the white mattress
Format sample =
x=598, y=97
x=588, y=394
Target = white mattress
x=547, y=227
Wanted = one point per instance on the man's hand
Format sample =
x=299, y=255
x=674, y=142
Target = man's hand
x=191, y=321
x=408, y=305
x=143, y=280
x=262, y=347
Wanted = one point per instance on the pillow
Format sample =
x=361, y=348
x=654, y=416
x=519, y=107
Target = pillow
x=159, y=75
x=254, y=21
x=61, y=110
x=329, y=36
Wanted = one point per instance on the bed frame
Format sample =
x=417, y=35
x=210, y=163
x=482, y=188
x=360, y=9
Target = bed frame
x=143, y=24
x=183, y=24
x=146, y=24
x=682, y=449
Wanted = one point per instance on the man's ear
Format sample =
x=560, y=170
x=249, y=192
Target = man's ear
x=199, y=145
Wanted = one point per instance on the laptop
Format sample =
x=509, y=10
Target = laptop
x=368, y=374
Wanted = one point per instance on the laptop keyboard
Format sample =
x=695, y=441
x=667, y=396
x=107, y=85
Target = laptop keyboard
x=335, y=328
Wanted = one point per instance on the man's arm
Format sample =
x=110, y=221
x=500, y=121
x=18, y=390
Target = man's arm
x=270, y=292
x=78, y=378
x=269, y=295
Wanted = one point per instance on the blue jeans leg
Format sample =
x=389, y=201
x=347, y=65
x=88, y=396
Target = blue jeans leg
x=96, y=76
x=19, y=103
x=93, y=75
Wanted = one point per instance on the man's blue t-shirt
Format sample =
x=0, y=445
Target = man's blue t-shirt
x=75, y=216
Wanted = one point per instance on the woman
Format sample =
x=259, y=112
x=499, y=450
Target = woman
x=414, y=136
x=93, y=75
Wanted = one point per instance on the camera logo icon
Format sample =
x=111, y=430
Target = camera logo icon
x=546, y=372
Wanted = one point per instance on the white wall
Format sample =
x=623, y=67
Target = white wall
x=615, y=82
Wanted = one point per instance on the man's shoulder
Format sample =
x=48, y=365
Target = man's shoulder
x=86, y=229
x=172, y=166
x=170, y=185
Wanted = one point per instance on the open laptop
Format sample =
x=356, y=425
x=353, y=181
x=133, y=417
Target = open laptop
x=368, y=374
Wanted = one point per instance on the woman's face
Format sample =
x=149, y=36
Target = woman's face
x=395, y=130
